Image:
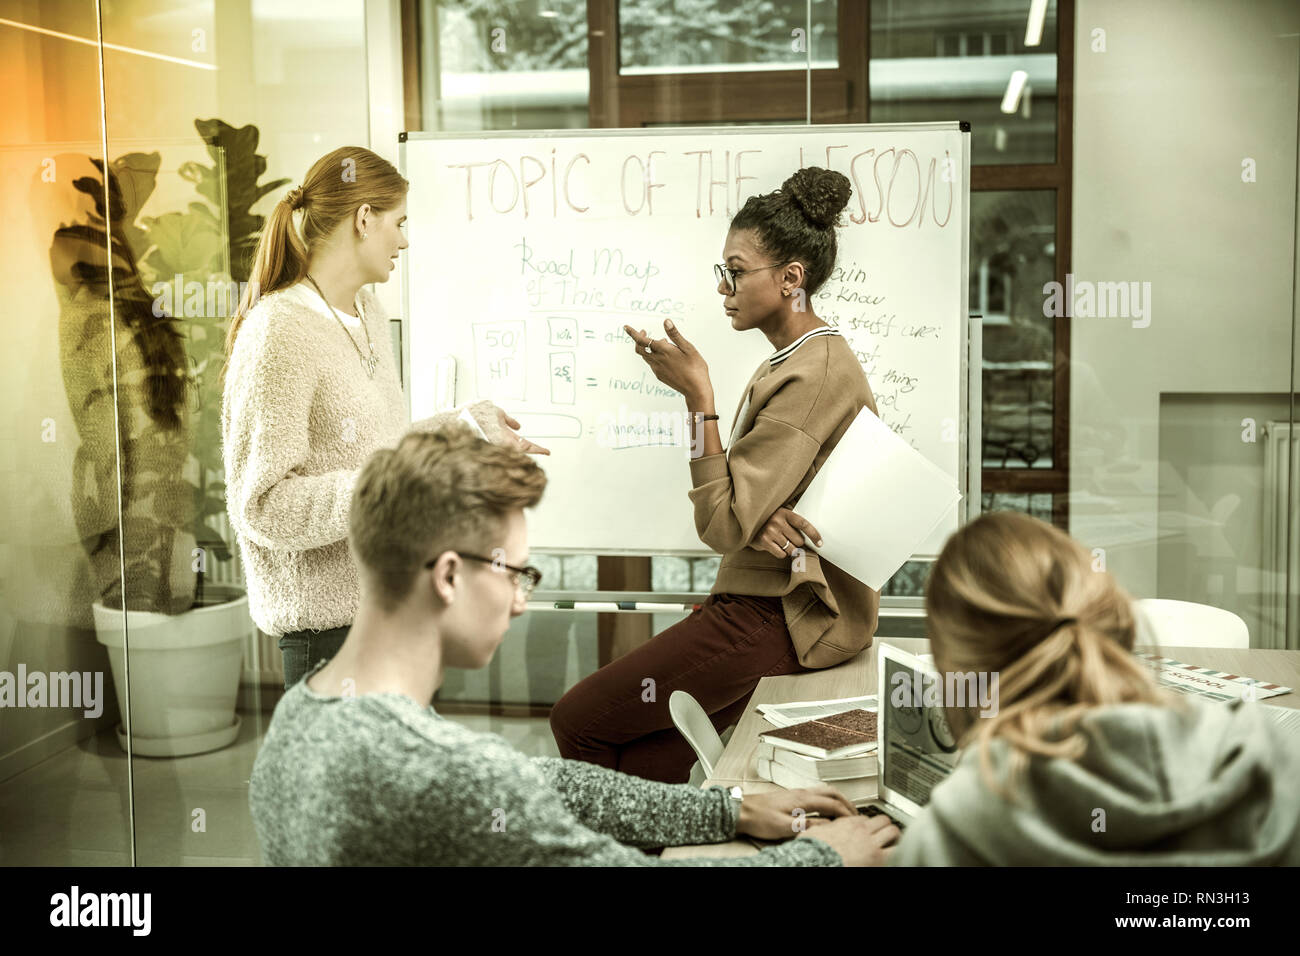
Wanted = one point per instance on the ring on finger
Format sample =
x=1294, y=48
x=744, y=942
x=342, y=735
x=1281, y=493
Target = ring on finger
x=786, y=545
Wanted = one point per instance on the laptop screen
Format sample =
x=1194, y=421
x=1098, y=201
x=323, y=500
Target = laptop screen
x=921, y=750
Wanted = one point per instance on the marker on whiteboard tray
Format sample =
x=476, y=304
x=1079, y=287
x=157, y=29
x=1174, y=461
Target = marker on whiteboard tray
x=622, y=606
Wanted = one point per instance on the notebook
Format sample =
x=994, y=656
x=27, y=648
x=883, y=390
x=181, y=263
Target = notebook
x=837, y=735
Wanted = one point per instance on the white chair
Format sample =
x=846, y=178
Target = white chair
x=1185, y=624
x=694, y=724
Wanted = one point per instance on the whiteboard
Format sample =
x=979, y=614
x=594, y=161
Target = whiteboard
x=529, y=251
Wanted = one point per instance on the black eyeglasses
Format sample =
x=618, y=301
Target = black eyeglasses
x=729, y=276
x=525, y=579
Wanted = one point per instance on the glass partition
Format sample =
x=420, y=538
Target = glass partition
x=119, y=561
x=991, y=63
x=1135, y=290
x=1180, y=302
x=65, y=785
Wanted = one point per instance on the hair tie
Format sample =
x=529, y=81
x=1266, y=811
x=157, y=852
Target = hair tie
x=295, y=198
x=1061, y=622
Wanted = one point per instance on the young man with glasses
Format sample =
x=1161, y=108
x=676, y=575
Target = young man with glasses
x=358, y=768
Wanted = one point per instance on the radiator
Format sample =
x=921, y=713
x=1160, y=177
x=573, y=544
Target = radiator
x=1281, y=558
x=262, y=660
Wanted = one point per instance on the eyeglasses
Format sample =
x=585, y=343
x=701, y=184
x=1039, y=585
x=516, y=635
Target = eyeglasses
x=729, y=276
x=525, y=579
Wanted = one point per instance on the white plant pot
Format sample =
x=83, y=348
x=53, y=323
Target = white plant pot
x=185, y=671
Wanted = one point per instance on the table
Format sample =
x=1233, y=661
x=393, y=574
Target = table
x=857, y=677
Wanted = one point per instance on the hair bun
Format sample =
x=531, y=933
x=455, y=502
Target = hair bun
x=820, y=194
x=295, y=198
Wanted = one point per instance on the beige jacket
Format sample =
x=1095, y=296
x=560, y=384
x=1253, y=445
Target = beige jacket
x=792, y=413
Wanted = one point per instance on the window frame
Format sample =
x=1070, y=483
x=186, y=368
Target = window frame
x=838, y=95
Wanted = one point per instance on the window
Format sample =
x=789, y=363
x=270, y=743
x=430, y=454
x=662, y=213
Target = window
x=641, y=63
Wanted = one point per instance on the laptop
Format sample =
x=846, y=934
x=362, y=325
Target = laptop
x=1287, y=718
x=916, y=750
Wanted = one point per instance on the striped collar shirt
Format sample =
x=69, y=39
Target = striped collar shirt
x=779, y=356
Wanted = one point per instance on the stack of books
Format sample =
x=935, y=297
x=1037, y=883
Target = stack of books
x=837, y=749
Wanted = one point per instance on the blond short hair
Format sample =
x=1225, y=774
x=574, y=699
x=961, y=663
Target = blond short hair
x=447, y=490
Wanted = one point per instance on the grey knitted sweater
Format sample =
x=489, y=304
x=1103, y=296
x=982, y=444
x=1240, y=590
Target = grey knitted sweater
x=377, y=780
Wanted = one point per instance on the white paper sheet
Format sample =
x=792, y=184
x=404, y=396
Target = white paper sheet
x=875, y=500
x=796, y=712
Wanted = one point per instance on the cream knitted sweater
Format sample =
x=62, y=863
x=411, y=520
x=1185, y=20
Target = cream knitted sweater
x=298, y=420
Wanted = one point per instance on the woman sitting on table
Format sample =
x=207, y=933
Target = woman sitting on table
x=774, y=608
x=1086, y=760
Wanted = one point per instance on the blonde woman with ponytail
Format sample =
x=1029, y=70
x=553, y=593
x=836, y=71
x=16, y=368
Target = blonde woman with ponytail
x=1085, y=760
x=311, y=391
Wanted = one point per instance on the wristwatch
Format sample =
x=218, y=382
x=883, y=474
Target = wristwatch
x=697, y=418
x=737, y=797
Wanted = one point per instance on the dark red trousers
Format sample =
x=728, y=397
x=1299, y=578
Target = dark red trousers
x=618, y=717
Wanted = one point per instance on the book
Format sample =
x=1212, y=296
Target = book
x=1200, y=681
x=857, y=790
x=796, y=712
x=836, y=768
x=851, y=733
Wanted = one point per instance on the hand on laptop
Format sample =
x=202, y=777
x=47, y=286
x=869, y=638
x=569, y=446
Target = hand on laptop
x=786, y=813
x=859, y=840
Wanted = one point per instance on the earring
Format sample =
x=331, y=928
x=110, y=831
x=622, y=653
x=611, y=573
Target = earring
x=364, y=234
x=785, y=291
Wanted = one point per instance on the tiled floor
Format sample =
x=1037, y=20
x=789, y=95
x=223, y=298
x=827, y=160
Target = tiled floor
x=73, y=809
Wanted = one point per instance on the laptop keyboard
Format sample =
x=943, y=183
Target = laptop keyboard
x=1288, y=718
x=871, y=810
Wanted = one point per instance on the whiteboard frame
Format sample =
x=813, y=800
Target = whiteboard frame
x=969, y=454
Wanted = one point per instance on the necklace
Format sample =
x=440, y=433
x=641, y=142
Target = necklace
x=367, y=362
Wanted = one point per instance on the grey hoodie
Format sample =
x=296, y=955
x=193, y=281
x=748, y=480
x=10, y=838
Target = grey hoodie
x=1209, y=785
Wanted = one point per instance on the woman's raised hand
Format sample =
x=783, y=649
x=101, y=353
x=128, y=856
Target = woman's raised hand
x=784, y=532
x=674, y=361
x=511, y=438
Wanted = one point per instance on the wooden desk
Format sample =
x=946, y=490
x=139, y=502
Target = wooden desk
x=857, y=677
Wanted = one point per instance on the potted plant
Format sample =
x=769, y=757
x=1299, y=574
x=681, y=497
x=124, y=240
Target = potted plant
x=185, y=633
x=213, y=243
